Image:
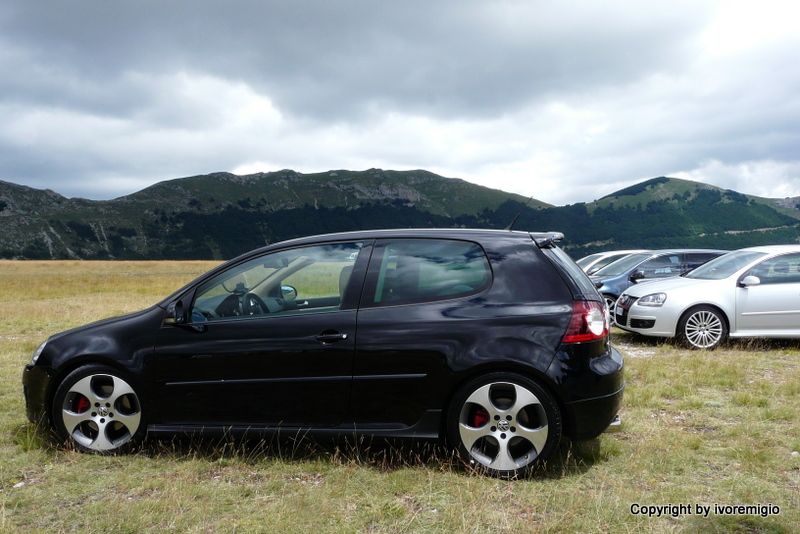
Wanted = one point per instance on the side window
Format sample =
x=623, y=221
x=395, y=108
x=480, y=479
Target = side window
x=778, y=270
x=301, y=280
x=662, y=267
x=419, y=270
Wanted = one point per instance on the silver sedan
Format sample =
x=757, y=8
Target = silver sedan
x=752, y=292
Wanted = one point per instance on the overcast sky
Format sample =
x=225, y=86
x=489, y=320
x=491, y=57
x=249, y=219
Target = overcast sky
x=565, y=101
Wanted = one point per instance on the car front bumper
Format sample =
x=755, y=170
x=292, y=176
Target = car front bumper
x=647, y=320
x=35, y=383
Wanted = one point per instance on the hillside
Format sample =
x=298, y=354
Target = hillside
x=670, y=212
x=220, y=215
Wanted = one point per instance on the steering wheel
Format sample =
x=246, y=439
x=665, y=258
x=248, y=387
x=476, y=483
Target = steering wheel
x=253, y=305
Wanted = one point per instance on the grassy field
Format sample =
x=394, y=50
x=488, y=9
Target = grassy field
x=699, y=427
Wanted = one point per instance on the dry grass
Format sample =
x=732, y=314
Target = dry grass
x=699, y=427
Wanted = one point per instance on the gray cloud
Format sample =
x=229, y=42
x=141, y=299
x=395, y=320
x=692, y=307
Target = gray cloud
x=326, y=59
x=566, y=101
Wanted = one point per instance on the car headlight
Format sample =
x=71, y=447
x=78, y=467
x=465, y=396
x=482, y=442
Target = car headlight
x=38, y=352
x=654, y=299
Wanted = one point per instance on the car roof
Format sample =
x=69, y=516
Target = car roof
x=774, y=249
x=684, y=250
x=631, y=251
x=445, y=233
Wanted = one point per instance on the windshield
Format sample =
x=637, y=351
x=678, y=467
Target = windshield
x=608, y=260
x=725, y=265
x=586, y=260
x=623, y=265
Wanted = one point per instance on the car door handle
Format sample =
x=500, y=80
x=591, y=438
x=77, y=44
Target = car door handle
x=331, y=336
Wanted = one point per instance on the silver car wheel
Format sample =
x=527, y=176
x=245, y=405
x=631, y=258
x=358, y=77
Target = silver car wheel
x=610, y=304
x=101, y=412
x=503, y=426
x=703, y=329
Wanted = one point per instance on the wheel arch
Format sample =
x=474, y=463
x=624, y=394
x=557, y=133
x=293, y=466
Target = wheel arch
x=699, y=305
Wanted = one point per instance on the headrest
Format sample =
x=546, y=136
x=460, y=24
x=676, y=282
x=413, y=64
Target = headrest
x=344, y=278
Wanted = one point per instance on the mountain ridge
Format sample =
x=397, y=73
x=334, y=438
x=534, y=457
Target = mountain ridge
x=220, y=215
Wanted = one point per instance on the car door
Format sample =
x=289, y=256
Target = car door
x=773, y=305
x=269, y=341
x=412, y=325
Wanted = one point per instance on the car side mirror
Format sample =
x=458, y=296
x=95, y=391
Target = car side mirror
x=749, y=280
x=175, y=313
x=636, y=276
x=288, y=292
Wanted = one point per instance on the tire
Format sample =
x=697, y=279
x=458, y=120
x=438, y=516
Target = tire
x=499, y=436
x=702, y=327
x=96, y=409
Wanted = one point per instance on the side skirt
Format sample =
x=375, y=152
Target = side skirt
x=426, y=428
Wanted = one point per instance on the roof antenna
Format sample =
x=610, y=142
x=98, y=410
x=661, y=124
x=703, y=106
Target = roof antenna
x=514, y=220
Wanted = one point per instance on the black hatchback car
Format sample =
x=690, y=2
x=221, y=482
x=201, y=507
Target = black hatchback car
x=492, y=340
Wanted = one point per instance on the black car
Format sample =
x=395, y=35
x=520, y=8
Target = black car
x=493, y=340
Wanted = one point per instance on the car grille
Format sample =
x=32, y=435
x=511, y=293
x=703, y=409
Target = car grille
x=621, y=309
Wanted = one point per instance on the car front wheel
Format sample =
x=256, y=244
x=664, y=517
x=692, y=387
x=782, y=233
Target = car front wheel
x=611, y=302
x=702, y=327
x=97, y=410
x=504, y=424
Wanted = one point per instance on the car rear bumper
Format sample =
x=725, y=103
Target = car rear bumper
x=35, y=383
x=591, y=389
x=589, y=418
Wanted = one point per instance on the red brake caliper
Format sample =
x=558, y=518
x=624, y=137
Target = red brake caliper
x=81, y=404
x=479, y=418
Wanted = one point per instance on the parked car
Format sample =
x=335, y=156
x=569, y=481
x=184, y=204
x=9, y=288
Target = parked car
x=616, y=277
x=479, y=337
x=753, y=292
x=594, y=262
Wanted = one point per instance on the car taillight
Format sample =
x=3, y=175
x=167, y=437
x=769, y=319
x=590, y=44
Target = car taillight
x=589, y=322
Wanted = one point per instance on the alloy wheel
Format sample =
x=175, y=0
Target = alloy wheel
x=610, y=304
x=101, y=412
x=703, y=329
x=503, y=426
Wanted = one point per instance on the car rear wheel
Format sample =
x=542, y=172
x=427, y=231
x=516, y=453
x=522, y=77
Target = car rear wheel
x=504, y=424
x=96, y=410
x=702, y=327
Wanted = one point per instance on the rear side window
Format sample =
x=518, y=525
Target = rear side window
x=421, y=270
x=579, y=278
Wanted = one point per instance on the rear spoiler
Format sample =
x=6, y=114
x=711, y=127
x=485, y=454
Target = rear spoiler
x=546, y=239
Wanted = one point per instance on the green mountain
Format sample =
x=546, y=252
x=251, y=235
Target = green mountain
x=670, y=212
x=221, y=215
